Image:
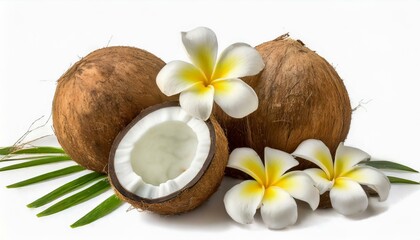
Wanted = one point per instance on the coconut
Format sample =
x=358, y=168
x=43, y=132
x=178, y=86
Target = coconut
x=167, y=161
x=300, y=96
x=98, y=96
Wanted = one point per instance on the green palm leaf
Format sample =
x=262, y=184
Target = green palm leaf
x=6, y=150
x=47, y=176
x=64, y=189
x=77, y=198
x=38, y=150
x=10, y=158
x=401, y=180
x=34, y=156
x=41, y=161
x=389, y=165
x=103, y=209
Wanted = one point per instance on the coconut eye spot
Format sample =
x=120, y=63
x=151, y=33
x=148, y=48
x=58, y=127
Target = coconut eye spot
x=164, y=152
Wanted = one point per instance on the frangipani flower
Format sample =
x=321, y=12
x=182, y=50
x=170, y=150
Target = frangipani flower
x=210, y=79
x=344, y=177
x=272, y=189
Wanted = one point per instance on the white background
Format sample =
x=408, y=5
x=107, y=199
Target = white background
x=373, y=45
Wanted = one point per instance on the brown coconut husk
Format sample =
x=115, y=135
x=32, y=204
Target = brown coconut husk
x=98, y=96
x=300, y=96
x=192, y=195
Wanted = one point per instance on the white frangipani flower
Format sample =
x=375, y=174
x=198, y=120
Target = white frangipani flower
x=273, y=190
x=210, y=79
x=344, y=177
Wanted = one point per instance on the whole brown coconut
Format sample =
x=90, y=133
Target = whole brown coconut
x=300, y=96
x=98, y=96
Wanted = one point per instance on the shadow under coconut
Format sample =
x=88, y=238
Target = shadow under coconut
x=210, y=215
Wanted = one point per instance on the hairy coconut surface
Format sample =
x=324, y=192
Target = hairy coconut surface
x=98, y=96
x=193, y=194
x=300, y=96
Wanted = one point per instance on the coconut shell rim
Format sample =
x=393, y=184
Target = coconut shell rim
x=111, y=168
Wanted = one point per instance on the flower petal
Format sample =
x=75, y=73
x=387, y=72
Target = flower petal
x=320, y=178
x=201, y=45
x=300, y=186
x=243, y=200
x=317, y=152
x=198, y=101
x=348, y=197
x=177, y=76
x=235, y=97
x=238, y=60
x=247, y=161
x=346, y=158
x=278, y=209
x=373, y=178
x=276, y=164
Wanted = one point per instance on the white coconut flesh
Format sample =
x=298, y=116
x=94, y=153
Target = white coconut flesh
x=162, y=153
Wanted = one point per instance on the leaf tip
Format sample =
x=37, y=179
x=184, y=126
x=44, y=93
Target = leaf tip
x=41, y=214
x=393, y=179
x=75, y=225
x=31, y=205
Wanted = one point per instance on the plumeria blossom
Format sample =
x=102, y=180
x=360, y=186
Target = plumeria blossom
x=210, y=79
x=273, y=190
x=344, y=177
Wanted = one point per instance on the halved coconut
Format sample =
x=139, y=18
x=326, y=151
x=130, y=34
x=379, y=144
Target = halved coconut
x=167, y=161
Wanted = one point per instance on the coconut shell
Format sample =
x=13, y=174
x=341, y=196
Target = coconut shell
x=98, y=96
x=192, y=196
x=300, y=96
